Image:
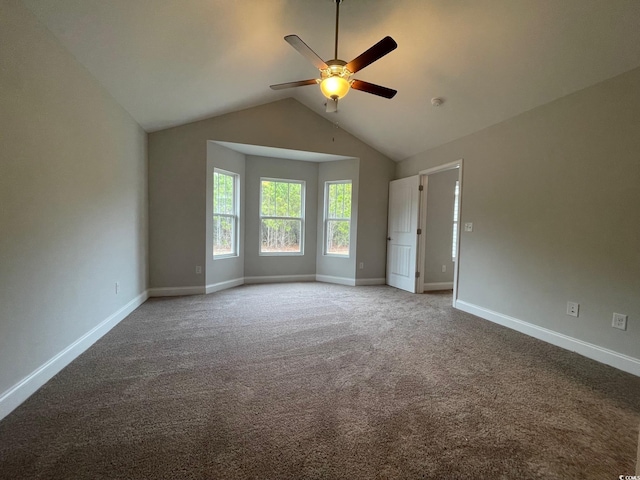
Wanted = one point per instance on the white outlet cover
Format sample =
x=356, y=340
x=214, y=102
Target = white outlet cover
x=619, y=321
x=468, y=227
x=573, y=309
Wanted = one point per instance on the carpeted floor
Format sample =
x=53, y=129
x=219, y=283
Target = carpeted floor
x=319, y=381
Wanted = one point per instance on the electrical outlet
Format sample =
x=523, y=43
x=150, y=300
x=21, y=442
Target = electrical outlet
x=361, y=266
x=444, y=268
x=198, y=269
x=619, y=321
x=468, y=227
x=117, y=288
x=573, y=308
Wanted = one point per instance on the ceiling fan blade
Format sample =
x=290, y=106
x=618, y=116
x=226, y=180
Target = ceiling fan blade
x=332, y=105
x=297, y=43
x=301, y=83
x=379, y=50
x=373, y=88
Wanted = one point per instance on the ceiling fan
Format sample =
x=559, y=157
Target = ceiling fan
x=335, y=75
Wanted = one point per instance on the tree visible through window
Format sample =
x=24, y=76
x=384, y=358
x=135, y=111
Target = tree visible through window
x=337, y=217
x=225, y=213
x=281, y=216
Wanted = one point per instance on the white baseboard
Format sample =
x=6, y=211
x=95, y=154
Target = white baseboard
x=279, y=279
x=176, y=291
x=432, y=287
x=216, y=287
x=339, y=280
x=589, y=350
x=370, y=281
x=22, y=390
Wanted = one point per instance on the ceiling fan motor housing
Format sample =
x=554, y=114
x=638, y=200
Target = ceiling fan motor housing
x=336, y=68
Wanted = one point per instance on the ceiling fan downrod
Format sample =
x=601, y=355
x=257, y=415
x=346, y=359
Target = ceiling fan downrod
x=338, y=2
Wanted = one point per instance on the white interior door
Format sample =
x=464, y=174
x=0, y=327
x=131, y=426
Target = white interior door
x=402, y=233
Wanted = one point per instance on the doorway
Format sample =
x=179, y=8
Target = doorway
x=439, y=243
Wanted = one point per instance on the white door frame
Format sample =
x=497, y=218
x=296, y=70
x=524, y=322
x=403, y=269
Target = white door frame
x=424, y=181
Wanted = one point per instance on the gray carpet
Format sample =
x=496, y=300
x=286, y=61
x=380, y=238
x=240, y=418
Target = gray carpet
x=318, y=381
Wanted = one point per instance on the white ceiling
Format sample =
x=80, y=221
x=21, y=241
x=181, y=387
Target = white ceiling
x=170, y=62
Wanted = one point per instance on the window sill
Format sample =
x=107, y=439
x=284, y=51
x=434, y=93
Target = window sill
x=222, y=257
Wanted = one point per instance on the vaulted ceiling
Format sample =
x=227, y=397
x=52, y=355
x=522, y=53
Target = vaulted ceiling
x=170, y=62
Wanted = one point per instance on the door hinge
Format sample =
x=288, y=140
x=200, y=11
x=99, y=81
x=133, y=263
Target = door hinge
x=417, y=274
x=421, y=187
x=419, y=231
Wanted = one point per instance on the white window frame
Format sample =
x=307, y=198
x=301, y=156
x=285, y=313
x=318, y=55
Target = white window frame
x=456, y=213
x=235, y=216
x=327, y=219
x=303, y=192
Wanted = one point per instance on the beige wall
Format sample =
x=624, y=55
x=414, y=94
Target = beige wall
x=257, y=265
x=373, y=203
x=178, y=184
x=439, y=227
x=248, y=262
x=331, y=265
x=73, y=199
x=224, y=269
x=553, y=195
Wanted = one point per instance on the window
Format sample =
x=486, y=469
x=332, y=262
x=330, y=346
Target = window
x=337, y=214
x=281, y=217
x=225, y=214
x=456, y=204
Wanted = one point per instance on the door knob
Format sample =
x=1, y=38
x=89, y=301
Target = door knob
x=388, y=238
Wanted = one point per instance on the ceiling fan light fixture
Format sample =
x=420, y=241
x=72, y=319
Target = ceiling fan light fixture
x=335, y=87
